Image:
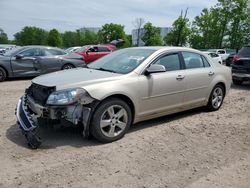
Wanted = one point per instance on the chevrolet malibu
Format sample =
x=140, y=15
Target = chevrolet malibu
x=123, y=88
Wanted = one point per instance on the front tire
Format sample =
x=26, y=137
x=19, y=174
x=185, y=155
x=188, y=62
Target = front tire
x=111, y=120
x=216, y=98
x=68, y=66
x=3, y=74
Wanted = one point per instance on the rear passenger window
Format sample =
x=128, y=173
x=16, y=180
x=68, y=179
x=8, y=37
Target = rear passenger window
x=193, y=60
x=171, y=62
x=49, y=52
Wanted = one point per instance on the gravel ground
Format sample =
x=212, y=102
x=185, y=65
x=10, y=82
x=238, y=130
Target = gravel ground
x=193, y=149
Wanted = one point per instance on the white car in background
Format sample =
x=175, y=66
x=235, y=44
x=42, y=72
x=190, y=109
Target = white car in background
x=221, y=52
x=6, y=47
x=216, y=58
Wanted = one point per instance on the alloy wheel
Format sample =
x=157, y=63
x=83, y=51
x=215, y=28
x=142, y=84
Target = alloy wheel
x=114, y=121
x=217, y=97
x=68, y=67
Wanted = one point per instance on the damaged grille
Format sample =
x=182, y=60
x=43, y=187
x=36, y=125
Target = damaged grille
x=39, y=93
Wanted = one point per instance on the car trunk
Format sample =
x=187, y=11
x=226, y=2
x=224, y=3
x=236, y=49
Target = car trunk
x=241, y=66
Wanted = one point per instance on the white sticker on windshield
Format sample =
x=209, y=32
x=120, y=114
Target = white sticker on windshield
x=137, y=58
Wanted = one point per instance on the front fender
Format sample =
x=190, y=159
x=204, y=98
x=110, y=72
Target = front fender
x=128, y=88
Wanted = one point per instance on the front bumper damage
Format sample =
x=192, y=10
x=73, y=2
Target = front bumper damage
x=28, y=112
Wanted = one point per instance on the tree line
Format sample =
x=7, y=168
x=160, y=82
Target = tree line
x=109, y=32
x=38, y=36
x=225, y=25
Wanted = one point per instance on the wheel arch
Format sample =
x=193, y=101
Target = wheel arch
x=67, y=63
x=7, y=73
x=126, y=99
x=223, y=85
x=213, y=84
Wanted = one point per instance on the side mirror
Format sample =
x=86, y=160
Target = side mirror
x=155, y=68
x=19, y=56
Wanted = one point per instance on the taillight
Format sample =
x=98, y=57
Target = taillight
x=236, y=58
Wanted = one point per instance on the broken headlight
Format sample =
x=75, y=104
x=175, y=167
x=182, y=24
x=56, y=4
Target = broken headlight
x=69, y=96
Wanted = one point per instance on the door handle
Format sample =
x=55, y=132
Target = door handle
x=180, y=77
x=211, y=73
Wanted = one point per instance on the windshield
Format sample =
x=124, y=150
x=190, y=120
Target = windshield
x=13, y=51
x=82, y=49
x=122, y=61
x=69, y=49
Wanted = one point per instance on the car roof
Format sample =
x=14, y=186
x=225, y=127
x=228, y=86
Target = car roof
x=167, y=48
x=41, y=46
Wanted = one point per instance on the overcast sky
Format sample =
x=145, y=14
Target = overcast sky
x=73, y=14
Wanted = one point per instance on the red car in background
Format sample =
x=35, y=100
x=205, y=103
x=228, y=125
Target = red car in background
x=91, y=53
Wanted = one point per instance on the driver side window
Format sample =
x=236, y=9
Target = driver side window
x=31, y=52
x=171, y=62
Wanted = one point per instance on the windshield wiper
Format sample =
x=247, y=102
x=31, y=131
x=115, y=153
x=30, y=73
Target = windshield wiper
x=103, y=69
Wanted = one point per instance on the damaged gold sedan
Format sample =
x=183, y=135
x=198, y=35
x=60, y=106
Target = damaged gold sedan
x=125, y=87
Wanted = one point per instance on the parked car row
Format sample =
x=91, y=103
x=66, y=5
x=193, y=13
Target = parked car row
x=36, y=60
x=6, y=47
x=240, y=62
x=91, y=53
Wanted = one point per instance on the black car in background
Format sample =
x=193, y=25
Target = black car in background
x=241, y=66
x=36, y=60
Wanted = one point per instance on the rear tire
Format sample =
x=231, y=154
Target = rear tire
x=3, y=74
x=111, y=120
x=68, y=66
x=216, y=98
x=237, y=82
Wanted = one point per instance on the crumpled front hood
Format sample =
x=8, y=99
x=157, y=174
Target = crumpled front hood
x=79, y=77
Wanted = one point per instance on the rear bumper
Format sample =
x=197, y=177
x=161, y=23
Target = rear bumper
x=241, y=76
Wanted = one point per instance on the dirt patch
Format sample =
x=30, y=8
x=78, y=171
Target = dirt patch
x=190, y=149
